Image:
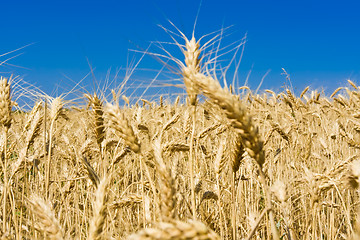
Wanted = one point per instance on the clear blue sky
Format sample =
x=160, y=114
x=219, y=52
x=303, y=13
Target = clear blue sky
x=317, y=42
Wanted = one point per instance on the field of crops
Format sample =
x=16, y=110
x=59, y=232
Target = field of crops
x=227, y=166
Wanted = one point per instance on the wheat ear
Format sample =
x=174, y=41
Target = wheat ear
x=31, y=131
x=99, y=210
x=98, y=116
x=235, y=111
x=47, y=221
x=5, y=103
x=192, y=61
x=176, y=230
x=116, y=120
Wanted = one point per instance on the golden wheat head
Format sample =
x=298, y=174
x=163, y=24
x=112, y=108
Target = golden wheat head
x=5, y=103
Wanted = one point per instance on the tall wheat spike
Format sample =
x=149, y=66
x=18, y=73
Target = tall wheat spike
x=192, y=61
x=192, y=66
x=242, y=122
x=5, y=123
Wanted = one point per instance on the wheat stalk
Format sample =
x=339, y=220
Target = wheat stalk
x=56, y=111
x=5, y=123
x=235, y=153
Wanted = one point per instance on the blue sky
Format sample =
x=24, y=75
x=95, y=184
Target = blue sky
x=317, y=42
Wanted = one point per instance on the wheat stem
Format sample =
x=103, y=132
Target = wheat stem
x=192, y=162
x=5, y=193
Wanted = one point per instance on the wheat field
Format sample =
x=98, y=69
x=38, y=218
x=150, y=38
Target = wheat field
x=216, y=165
